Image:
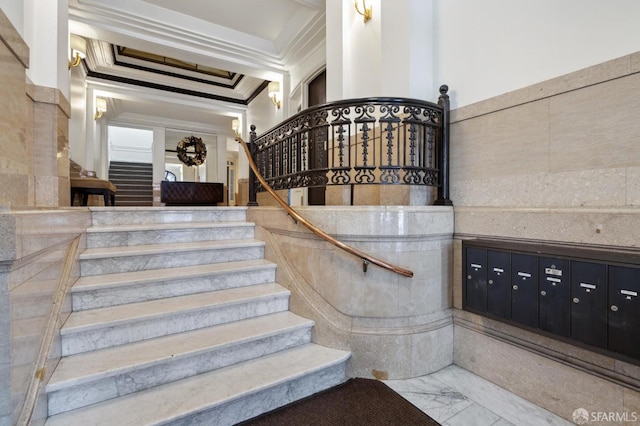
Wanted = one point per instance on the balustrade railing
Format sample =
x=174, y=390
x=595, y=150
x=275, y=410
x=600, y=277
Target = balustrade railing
x=357, y=142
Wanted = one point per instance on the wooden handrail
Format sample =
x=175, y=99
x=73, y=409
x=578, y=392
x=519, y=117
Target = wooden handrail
x=366, y=259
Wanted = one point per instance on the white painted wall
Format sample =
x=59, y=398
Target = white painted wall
x=486, y=48
x=130, y=145
x=263, y=114
x=46, y=32
x=14, y=10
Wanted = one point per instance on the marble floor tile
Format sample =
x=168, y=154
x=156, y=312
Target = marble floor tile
x=454, y=396
x=474, y=414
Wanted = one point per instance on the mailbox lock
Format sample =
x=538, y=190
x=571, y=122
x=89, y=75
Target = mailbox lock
x=515, y=287
x=576, y=300
x=468, y=277
x=614, y=308
x=544, y=293
x=490, y=281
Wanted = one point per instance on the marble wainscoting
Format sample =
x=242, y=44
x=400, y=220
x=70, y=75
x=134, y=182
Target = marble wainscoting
x=395, y=327
x=37, y=266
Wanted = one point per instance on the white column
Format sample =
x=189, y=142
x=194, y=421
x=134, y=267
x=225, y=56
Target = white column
x=47, y=34
x=390, y=55
x=158, y=154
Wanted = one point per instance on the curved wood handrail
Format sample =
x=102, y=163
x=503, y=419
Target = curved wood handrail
x=366, y=259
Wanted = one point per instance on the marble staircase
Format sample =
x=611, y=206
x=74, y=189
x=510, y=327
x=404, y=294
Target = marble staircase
x=177, y=319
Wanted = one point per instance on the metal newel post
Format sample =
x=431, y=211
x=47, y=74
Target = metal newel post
x=443, y=187
x=252, y=175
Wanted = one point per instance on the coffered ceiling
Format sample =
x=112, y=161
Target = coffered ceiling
x=148, y=56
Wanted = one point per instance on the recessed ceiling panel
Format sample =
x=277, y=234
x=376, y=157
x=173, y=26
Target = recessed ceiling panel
x=260, y=18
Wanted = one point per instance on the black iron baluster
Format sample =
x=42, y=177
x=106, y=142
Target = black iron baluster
x=443, y=188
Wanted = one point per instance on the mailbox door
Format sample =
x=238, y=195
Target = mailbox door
x=624, y=310
x=524, y=289
x=476, y=279
x=499, y=284
x=554, y=293
x=589, y=303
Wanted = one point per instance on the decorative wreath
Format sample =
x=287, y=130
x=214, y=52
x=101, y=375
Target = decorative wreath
x=200, y=151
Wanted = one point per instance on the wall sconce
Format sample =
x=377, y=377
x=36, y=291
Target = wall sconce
x=101, y=108
x=367, y=10
x=235, y=125
x=78, y=50
x=274, y=93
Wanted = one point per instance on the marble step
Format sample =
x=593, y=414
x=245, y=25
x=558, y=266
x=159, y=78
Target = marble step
x=118, y=325
x=111, y=260
x=136, y=215
x=116, y=289
x=221, y=397
x=91, y=377
x=160, y=233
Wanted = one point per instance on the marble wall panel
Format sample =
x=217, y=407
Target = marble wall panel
x=50, y=126
x=394, y=326
x=596, y=127
x=633, y=186
x=5, y=347
x=598, y=226
x=580, y=188
x=508, y=142
x=15, y=152
x=31, y=279
x=544, y=381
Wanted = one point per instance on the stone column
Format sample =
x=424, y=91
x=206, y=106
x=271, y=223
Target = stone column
x=16, y=146
x=46, y=32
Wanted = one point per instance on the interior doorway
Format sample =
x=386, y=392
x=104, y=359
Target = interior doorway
x=317, y=90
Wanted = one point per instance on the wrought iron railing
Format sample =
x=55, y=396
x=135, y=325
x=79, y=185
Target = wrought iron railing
x=357, y=142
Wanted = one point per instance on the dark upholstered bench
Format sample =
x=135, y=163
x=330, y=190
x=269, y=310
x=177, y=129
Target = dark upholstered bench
x=86, y=186
x=191, y=193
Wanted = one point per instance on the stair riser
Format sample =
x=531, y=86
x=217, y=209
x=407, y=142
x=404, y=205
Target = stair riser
x=265, y=400
x=133, y=238
x=161, y=289
x=119, y=264
x=172, y=369
x=119, y=334
x=160, y=215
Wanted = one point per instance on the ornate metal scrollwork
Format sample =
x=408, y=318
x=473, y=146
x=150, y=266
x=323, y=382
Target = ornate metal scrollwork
x=362, y=141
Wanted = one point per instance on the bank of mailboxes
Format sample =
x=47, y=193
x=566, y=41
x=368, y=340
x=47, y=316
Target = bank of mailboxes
x=590, y=302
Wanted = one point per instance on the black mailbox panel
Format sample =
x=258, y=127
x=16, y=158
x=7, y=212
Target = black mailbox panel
x=586, y=296
x=624, y=310
x=499, y=284
x=554, y=292
x=476, y=279
x=524, y=289
x=589, y=303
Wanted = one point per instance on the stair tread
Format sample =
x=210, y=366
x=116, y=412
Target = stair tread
x=86, y=367
x=172, y=401
x=92, y=319
x=167, y=226
x=121, y=251
x=165, y=209
x=94, y=282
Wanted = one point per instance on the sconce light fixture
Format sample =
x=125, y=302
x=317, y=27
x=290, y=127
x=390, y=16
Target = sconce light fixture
x=235, y=125
x=78, y=50
x=101, y=108
x=367, y=11
x=274, y=93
